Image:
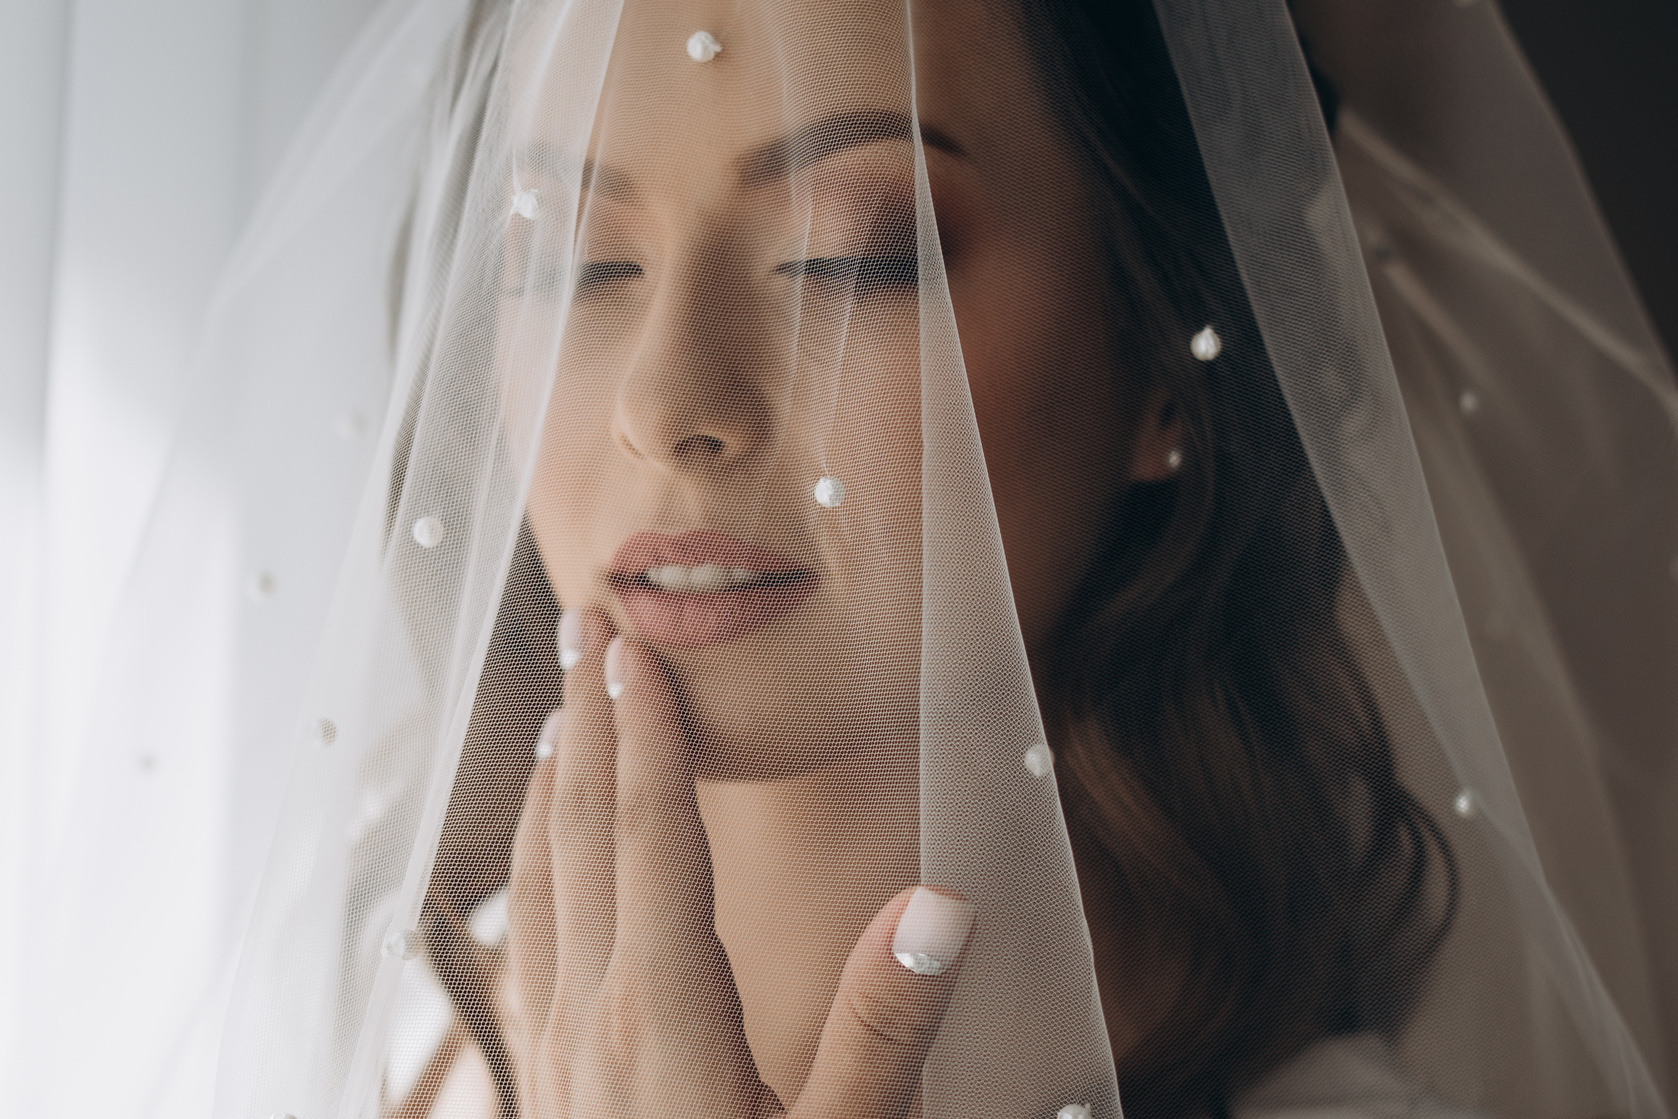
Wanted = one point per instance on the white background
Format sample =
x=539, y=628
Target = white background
x=135, y=138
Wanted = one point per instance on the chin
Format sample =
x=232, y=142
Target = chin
x=783, y=704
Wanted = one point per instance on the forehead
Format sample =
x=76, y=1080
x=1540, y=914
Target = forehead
x=784, y=65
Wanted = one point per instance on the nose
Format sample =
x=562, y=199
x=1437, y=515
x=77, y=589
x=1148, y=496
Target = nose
x=696, y=397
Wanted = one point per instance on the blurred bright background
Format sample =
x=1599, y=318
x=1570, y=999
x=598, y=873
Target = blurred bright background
x=135, y=138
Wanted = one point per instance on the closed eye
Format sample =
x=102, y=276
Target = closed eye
x=597, y=272
x=861, y=274
x=548, y=281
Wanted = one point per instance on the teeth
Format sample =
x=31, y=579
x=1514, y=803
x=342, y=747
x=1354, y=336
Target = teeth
x=705, y=577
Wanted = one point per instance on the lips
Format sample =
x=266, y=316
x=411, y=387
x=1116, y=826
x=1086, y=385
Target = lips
x=704, y=587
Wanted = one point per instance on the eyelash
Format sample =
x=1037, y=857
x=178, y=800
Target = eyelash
x=598, y=272
x=593, y=275
x=860, y=274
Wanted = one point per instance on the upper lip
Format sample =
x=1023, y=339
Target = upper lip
x=694, y=548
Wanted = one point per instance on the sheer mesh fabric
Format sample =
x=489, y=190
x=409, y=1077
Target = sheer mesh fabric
x=1024, y=450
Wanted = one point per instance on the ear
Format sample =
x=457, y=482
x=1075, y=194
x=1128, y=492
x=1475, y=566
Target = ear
x=1158, y=449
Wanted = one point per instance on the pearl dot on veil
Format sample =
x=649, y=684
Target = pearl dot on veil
x=829, y=492
x=703, y=46
x=428, y=532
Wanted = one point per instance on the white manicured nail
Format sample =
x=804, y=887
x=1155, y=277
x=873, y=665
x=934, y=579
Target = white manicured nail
x=932, y=932
x=614, y=668
x=570, y=638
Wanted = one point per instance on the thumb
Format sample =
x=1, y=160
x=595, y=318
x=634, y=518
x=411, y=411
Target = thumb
x=891, y=1001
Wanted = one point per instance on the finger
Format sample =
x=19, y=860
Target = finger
x=580, y=822
x=891, y=1001
x=669, y=983
x=664, y=900
x=530, y=899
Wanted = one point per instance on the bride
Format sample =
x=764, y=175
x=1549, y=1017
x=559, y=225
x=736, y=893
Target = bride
x=857, y=569
x=1255, y=875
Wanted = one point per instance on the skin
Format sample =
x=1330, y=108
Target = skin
x=705, y=382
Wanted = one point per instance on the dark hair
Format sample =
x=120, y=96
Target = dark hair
x=1225, y=752
x=1222, y=753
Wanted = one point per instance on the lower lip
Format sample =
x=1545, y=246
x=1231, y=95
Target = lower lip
x=688, y=620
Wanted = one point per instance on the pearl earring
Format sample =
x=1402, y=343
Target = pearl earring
x=1206, y=345
x=1174, y=459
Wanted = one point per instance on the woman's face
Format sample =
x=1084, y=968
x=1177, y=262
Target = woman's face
x=746, y=321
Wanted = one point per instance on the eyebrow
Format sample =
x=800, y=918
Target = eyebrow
x=599, y=178
x=798, y=151
x=816, y=141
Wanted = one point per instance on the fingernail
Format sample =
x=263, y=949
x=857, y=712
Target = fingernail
x=570, y=638
x=614, y=668
x=550, y=733
x=932, y=932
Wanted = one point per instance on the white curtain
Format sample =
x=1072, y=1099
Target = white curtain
x=135, y=138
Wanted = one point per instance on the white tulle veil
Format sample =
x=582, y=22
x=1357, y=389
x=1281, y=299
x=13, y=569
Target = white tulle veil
x=1484, y=409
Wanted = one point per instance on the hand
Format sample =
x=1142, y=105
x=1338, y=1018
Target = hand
x=624, y=999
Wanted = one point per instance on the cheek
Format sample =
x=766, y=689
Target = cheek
x=1050, y=411
x=785, y=698
x=576, y=467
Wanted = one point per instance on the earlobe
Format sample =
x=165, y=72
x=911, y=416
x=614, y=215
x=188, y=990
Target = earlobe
x=1158, y=450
